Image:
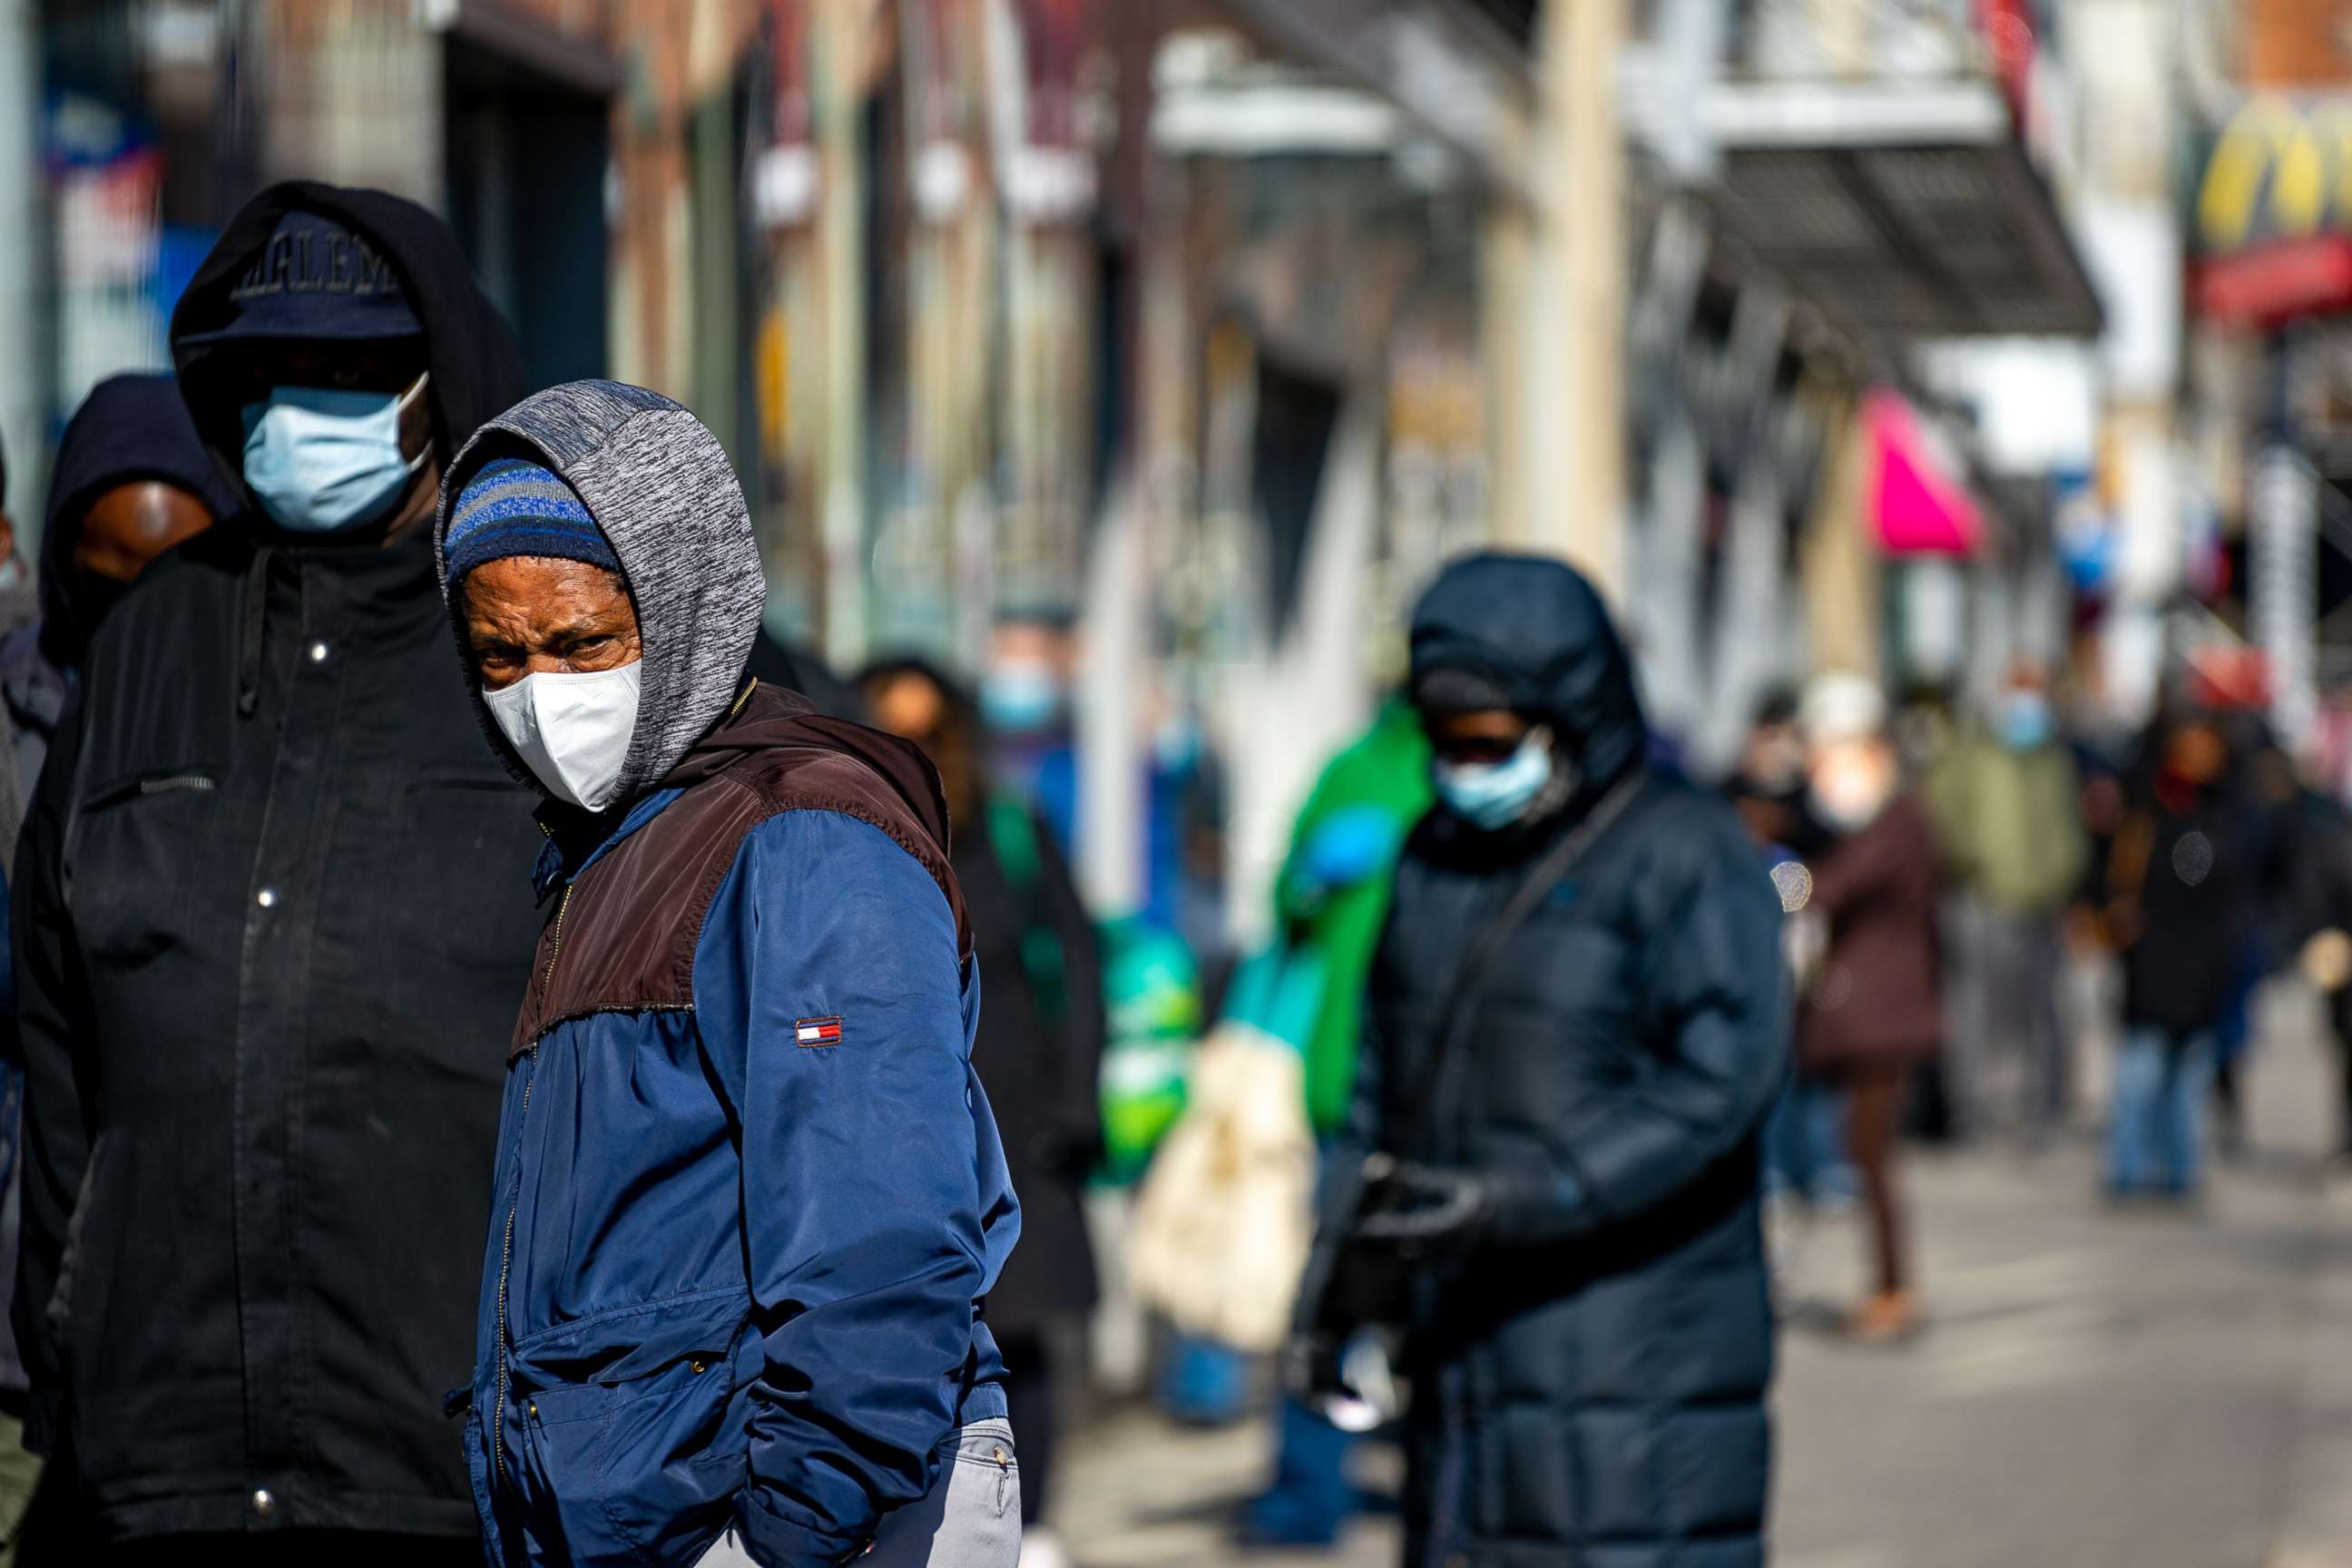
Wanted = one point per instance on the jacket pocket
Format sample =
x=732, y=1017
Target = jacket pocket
x=640, y=1464
x=133, y=852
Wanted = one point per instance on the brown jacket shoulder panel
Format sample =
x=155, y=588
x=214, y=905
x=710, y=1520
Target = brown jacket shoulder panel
x=624, y=937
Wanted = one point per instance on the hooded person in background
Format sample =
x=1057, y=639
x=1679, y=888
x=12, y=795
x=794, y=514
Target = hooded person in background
x=1871, y=1004
x=749, y=1195
x=266, y=946
x=2182, y=884
x=131, y=479
x=1040, y=1041
x=1577, y=1022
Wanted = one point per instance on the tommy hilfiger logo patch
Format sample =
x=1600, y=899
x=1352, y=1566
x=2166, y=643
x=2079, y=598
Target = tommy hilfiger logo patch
x=817, y=1031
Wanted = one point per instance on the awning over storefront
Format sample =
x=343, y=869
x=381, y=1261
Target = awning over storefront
x=1456, y=71
x=1896, y=208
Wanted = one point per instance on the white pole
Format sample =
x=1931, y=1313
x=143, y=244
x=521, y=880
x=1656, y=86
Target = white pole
x=25, y=354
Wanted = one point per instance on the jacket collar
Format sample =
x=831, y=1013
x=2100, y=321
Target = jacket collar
x=577, y=840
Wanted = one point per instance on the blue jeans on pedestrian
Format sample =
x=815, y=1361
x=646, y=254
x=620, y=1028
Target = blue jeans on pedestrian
x=2155, y=1130
x=1805, y=1143
x=1311, y=1497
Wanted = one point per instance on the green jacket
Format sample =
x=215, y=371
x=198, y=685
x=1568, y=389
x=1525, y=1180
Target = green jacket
x=2010, y=823
x=1333, y=892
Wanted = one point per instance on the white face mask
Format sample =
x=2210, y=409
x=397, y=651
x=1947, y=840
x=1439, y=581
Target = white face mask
x=572, y=729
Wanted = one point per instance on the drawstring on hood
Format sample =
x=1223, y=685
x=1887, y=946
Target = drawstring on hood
x=255, y=613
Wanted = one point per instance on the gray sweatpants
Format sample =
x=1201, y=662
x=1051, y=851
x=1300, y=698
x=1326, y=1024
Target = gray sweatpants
x=970, y=1518
x=2008, y=1060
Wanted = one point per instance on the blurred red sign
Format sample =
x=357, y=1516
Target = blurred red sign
x=2225, y=676
x=2275, y=282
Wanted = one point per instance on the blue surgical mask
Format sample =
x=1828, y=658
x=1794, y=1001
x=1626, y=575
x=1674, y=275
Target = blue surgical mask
x=2023, y=720
x=320, y=461
x=1492, y=795
x=1020, y=697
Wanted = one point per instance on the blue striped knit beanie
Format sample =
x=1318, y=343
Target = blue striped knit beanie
x=516, y=508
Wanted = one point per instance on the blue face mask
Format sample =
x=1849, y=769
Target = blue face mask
x=1492, y=795
x=2023, y=720
x=1019, y=697
x=320, y=461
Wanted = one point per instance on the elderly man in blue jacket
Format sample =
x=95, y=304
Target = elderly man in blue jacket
x=749, y=1195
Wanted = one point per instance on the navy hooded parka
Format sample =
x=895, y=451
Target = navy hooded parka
x=1590, y=1376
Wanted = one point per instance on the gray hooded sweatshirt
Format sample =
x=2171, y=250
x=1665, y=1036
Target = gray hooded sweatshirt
x=660, y=487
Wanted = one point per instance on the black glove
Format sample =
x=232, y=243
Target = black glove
x=1428, y=1207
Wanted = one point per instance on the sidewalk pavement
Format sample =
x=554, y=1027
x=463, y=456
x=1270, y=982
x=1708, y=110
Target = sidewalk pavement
x=2096, y=1389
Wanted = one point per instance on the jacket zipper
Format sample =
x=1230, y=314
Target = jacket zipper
x=506, y=1252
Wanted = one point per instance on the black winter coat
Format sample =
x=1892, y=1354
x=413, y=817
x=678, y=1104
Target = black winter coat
x=268, y=940
x=2189, y=871
x=1590, y=1379
x=1045, y=1073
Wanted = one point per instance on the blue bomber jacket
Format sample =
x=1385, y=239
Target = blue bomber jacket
x=749, y=1194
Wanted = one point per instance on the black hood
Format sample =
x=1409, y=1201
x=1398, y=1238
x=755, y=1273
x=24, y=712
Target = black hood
x=1536, y=630
x=477, y=369
x=130, y=427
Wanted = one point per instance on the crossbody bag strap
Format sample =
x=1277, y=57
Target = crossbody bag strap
x=1546, y=876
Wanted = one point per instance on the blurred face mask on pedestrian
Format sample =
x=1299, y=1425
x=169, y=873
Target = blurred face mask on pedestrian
x=2022, y=719
x=1851, y=782
x=1020, y=696
x=556, y=648
x=1493, y=770
x=330, y=459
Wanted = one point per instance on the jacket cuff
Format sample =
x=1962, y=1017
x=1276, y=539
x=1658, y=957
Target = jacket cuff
x=778, y=1538
x=44, y=1412
x=1532, y=1208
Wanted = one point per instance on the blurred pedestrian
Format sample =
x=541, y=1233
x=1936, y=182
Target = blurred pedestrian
x=1871, y=1004
x=19, y=603
x=1024, y=701
x=1805, y=1163
x=1331, y=898
x=790, y=666
x=2318, y=930
x=750, y=1196
x=2007, y=809
x=20, y=1471
x=2182, y=884
x=264, y=949
x=1040, y=1043
x=1576, y=1024
x=131, y=479
x=1768, y=787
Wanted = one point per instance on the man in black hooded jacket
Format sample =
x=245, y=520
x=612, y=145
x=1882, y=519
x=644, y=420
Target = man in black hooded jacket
x=267, y=944
x=1573, y=1139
